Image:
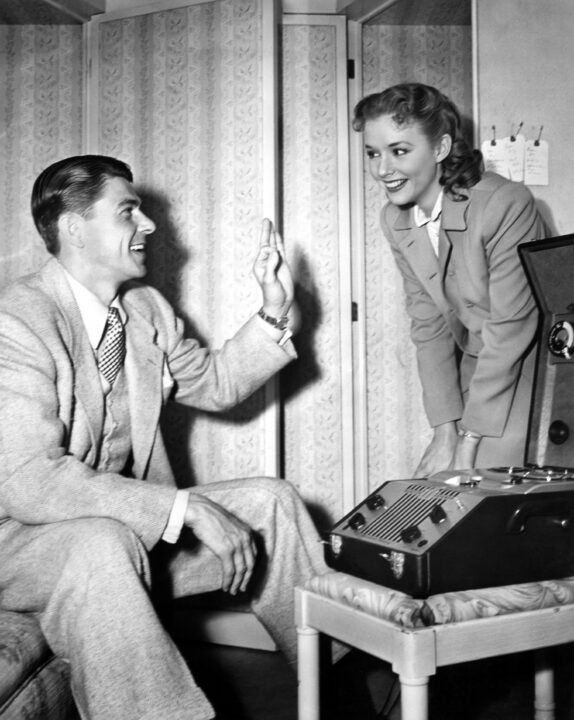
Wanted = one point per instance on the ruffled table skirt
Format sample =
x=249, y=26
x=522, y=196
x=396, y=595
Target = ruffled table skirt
x=443, y=608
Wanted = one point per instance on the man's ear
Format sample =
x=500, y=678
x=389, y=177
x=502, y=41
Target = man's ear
x=71, y=229
x=443, y=148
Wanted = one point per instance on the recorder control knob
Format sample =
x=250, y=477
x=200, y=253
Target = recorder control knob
x=437, y=514
x=558, y=432
x=410, y=534
x=357, y=521
x=374, y=502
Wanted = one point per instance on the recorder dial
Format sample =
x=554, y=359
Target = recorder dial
x=561, y=339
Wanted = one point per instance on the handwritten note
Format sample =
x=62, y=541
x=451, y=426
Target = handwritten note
x=514, y=147
x=536, y=162
x=495, y=157
x=517, y=159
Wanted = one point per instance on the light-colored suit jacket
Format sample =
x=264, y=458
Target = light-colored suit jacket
x=475, y=297
x=51, y=403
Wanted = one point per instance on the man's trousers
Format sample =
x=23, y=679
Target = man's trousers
x=89, y=581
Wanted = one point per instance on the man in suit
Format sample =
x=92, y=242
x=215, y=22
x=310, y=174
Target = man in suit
x=88, y=503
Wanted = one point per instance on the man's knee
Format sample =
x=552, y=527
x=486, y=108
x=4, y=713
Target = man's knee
x=276, y=488
x=275, y=501
x=105, y=542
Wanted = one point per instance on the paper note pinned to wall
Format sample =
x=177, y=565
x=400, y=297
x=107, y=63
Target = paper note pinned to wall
x=514, y=147
x=536, y=162
x=495, y=157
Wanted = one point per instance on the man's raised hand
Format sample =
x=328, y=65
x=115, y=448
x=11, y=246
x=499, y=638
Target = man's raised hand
x=272, y=272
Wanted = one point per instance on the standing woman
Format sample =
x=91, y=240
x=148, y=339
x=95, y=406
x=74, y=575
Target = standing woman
x=454, y=231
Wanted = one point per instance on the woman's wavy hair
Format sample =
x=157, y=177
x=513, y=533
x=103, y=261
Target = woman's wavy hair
x=71, y=185
x=437, y=115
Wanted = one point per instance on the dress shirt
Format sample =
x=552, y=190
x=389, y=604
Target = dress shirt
x=432, y=223
x=94, y=316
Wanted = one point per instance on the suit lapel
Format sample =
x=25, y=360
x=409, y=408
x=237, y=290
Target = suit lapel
x=88, y=391
x=144, y=365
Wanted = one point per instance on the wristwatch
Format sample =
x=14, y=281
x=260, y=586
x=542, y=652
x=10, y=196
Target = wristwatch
x=280, y=323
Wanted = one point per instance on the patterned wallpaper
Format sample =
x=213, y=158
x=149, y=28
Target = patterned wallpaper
x=40, y=121
x=397, y=427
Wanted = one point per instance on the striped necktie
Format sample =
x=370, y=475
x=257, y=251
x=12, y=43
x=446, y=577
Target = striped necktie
x=113, y=352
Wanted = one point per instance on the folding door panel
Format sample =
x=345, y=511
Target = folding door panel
x=317, y=388
x=185, y=95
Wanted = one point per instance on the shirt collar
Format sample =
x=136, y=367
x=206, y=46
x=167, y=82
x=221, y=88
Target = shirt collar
x=93, y=311
x=419, y=216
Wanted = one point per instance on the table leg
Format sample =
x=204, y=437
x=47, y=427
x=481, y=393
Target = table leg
x=308, y=673
x=543, y=687
x=414, y=698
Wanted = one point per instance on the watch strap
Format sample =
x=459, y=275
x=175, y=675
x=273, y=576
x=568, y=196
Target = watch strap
x=280, y=323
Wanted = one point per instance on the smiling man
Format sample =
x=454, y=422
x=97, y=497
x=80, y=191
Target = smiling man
x=89, y=510
x=107, y=246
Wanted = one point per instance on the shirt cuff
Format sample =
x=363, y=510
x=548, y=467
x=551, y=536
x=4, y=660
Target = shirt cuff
x=175, y=523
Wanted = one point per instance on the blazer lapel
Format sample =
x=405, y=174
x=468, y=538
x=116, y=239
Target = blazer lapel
x=417, y=249
x=144, y=365
x=415, y=246
x=444, y=251
x=453, y=220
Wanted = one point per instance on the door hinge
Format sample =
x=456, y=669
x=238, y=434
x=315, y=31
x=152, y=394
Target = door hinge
x=351, y=69
x=354, y=311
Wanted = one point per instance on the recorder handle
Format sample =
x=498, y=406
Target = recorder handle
x=560, y=511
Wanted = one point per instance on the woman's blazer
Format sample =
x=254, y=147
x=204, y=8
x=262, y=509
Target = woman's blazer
x=475, y=297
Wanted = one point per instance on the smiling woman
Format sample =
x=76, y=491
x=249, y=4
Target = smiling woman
x=453, y=230
x=419, y=122
x=403, y=159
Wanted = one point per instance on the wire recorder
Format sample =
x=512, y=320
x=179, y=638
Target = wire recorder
x=485, y=527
